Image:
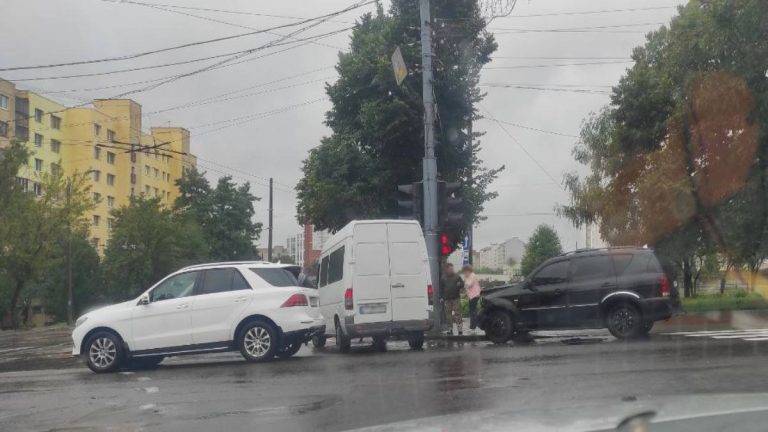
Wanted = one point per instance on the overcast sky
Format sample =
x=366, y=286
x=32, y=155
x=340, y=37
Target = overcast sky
x=273, y=145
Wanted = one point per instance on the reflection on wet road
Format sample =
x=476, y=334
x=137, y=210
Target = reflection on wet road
x=324, y=390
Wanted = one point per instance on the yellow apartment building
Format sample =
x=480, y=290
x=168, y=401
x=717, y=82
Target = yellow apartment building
x=106, y=140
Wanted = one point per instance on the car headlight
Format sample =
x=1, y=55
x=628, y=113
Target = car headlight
x=80, y=321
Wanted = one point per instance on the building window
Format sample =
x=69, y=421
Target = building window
x=110, y=135
x=96, y=197
x=55, y=169
x=110, y=201
x=4, y=101
x=55, y=122
x=38, y=165
x=96, y=220
x=96, y=175
x=3, y=129
x=146, y=190
x=146, y=169
x=38, y=115
x=96, y=152
x=110, y=223
x=38, y=140
x=55, y=146
x=111, y=179
x=110, y=158
x=157, y=173
x=96, y=129
x=37, y=188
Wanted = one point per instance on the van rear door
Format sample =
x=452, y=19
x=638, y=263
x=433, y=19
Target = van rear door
x=408, y=281
x=370, y=284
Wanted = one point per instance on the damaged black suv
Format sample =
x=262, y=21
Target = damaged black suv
x=624, y=289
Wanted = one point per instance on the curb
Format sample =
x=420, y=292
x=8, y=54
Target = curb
x=456, y=338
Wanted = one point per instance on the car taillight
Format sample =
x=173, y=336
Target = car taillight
x=664, y=286
x=430, y=294
x=295, y=300
x=348, y=299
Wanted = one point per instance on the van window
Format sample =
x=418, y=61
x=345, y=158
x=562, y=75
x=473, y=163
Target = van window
x=324, y=271
x=336, y=266
x=277, y=277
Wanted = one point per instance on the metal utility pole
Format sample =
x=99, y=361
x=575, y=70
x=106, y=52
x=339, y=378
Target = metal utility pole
x=70, y=288
x=429, y=162
x=271, y=227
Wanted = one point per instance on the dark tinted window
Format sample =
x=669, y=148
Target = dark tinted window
x=222, y=280
x=336, y=266
x=181, y=285
x=278, y=277
x=324, y=272
x=551, y=274
x=627, y=264
x=593, y=267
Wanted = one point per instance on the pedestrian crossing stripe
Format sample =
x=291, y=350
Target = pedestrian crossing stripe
x=752, y=335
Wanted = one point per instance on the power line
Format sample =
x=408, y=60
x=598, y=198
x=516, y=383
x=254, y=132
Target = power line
x=519, y=144
x=532, y=128
x=557, y=65
x=594, y=12
x=573, y=29
x=550, y=89
x=235, y=12
x=558, y=58
x=189, y=44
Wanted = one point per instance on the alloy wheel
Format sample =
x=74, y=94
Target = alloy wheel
x=103, y=352
x=257, y=341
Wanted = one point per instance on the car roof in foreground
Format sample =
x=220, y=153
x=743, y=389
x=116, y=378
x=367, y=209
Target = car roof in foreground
x=260, y=264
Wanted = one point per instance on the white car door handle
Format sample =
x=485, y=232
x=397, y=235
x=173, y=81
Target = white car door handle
x=240, y=299
x=398, y=285
x=182, y=306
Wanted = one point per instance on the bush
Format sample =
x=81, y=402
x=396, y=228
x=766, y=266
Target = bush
x=739, y=300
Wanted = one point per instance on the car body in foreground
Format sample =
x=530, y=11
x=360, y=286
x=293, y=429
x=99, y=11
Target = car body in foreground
x=254, y=307
x=623, y=289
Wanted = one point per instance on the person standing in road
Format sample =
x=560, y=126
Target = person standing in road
x=472, y=287
x=452, y=285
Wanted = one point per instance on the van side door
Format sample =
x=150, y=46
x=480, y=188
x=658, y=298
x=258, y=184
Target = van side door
x=407, y=269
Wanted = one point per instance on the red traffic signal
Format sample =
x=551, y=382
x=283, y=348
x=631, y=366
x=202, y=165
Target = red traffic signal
x=446, y=246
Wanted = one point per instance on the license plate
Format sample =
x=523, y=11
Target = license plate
x=373, y=308
x=313, y=302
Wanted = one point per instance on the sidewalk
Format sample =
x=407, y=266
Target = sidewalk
x=468, y=335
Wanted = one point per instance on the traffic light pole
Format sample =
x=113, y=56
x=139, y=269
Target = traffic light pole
x=429, y=162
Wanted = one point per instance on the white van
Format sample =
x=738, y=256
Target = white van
x=374, y=281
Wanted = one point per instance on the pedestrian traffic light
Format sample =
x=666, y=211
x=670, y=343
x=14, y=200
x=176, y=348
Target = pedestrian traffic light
x=409, y=203
x=447, y=245
x=450, y=207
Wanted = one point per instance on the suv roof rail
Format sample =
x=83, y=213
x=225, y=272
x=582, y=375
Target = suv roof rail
x=224, y=263
x=585, y=250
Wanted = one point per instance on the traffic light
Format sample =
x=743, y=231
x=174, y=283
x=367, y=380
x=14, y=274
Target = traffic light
x=410, y=203
x=447, y=245
x=450, y=207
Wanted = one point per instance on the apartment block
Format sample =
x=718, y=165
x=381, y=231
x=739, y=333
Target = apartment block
x=107, y=141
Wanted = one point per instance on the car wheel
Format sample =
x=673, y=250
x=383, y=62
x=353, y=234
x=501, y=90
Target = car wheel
x=319, y=341
x=145, y=362
x=498, y=326
x=289, y=350
x=624, y=321
x=258, y=341
x=380, y=343
x=343, y=343
x=104, y=351
x=416, y=341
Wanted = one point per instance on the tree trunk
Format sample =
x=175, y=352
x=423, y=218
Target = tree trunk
x=687, y=279
x=17, y=287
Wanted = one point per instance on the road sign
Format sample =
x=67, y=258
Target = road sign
x=465, y=245
x=398, y=65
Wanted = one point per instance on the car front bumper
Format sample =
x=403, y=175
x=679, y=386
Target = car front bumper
x=386, y=328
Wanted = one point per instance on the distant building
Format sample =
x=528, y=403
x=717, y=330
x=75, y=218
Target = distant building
x=505, y=256
x=305, y=247
x=277, y=252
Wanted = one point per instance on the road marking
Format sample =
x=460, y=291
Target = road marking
x=151, y=389
x=751, y=335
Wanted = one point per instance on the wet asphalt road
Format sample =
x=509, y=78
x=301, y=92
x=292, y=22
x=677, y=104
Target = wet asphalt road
x=324, y=390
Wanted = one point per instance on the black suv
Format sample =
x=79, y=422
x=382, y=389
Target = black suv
x=623, y=289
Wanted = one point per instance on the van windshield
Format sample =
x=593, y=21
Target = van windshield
x=278, y=277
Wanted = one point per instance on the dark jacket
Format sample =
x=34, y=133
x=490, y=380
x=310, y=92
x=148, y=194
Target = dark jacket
x=451, y=286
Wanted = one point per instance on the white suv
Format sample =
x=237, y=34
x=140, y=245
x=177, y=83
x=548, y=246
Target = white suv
x=254, y=307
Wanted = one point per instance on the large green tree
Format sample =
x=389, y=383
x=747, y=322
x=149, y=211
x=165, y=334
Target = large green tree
x=149, y=241
x=225, y=214
x=543, y=245
x=678, y=159
x=378, y=128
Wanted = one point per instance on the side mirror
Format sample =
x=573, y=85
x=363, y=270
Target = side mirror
x=143, y=300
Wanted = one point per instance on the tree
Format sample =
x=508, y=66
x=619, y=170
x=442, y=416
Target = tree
x=378, y=129
x=32, y=227
x=543, y=245
x=678, y=159
x=225, y=214
x=148, y=242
